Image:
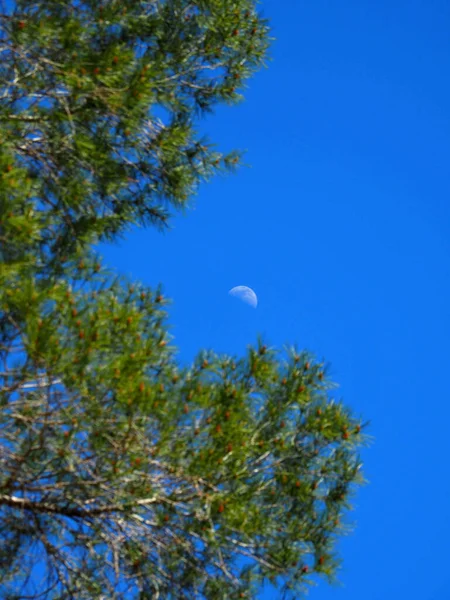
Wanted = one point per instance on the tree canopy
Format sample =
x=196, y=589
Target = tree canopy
x=124, y=474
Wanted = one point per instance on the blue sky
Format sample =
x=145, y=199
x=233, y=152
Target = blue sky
x=342, y=227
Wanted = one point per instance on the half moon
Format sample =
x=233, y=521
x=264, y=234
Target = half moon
x=245, y=294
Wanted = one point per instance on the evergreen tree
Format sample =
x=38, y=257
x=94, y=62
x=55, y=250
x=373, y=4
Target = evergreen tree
x=123, y=474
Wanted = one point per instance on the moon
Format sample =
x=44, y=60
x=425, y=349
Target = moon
x=245, y=294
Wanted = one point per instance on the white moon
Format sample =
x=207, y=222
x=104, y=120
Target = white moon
x=245, y=294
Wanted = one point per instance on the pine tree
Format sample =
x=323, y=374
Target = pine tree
x=123, y=474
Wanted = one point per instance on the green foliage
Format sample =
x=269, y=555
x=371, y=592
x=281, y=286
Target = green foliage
x=192, y=468
x=99, y=107
x=122, y=473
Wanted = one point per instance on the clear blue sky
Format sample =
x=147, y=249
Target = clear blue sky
x=342, y=227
